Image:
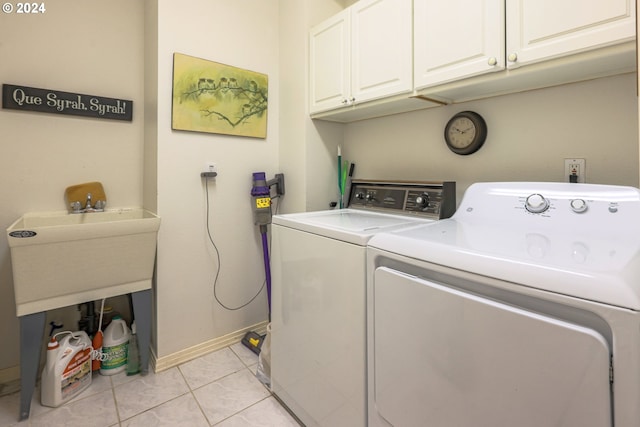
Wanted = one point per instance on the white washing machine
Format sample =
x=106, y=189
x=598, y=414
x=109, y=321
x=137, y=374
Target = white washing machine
x=523, y=309
x=318, y=359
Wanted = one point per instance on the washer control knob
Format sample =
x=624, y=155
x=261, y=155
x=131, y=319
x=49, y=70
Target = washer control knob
x=423, y=200
x=359, y=195
x=578, y=205
x=370, y=197
x=536, y=203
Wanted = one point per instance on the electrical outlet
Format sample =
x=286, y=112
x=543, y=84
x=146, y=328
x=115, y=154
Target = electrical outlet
x=577, y=168
x=210, y=167
x=209, y=170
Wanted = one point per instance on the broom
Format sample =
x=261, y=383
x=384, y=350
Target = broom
x=97, y=342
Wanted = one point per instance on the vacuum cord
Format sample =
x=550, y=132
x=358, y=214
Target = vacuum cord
x=215, y=280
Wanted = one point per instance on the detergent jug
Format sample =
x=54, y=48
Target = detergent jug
x=115, y=345
x=67, y=371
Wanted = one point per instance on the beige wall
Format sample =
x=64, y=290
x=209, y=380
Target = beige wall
x=91, y=47
x=244, y=34
x=530, y=134
x=307, y=148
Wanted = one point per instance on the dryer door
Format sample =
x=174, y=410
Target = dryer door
x=443, y=357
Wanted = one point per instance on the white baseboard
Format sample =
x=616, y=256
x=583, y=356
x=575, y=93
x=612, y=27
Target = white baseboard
x=9, y=374
x=9, y=380
x=182, y=356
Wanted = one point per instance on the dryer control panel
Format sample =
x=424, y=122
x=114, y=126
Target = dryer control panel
x=435, y=200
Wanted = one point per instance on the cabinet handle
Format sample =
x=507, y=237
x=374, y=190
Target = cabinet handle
x=352, y=100
x=492, y=61
x=345, y=101
x=513, y=57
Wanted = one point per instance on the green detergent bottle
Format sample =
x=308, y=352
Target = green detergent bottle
x=115, y=344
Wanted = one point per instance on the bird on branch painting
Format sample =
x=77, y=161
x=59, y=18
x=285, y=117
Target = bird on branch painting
x=255, y=99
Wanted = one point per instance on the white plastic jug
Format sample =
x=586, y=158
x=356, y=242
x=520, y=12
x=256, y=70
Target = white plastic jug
x=115, y=345
x=67, y=371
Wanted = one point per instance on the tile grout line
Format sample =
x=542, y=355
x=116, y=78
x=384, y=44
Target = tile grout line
x=115, y=400
x=159, y=404
x=190, y=391
x=245, y=367
x=193, y=395
x=242, y=410
x=115, y=403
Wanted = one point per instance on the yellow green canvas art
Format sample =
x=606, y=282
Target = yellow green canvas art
x=218, y=98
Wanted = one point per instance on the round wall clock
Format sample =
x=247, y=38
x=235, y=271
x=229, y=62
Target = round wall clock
x=465, y=132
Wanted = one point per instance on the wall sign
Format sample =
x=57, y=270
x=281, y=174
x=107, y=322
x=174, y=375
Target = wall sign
x=58, y=102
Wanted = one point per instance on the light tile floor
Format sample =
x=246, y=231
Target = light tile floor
x=218, y=389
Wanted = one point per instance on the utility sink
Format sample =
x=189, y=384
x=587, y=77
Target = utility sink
x=60, y=259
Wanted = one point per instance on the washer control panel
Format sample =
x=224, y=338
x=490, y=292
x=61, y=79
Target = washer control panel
x=539, y=204
x=560, y=205
x=435, y=200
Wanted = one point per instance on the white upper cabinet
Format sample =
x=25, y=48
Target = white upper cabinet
x=381, y=48
x=456, y=39
x=543, y=29
x=361, y=54
x=330, y=62
x=380, y=57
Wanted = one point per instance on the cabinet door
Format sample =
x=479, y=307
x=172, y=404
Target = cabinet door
x=455, y=39
x=545, y=29
x=329, y=68
x=381, y=53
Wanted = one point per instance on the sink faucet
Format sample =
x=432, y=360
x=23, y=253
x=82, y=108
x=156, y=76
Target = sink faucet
x=76, y=206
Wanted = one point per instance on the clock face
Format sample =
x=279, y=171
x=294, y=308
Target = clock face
x=465, y=133
x=462, y=132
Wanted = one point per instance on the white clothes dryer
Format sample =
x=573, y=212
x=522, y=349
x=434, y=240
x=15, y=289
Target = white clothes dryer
x=318, y=359
x=523, y=309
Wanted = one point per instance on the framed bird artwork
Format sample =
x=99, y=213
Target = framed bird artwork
x=218, y=98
